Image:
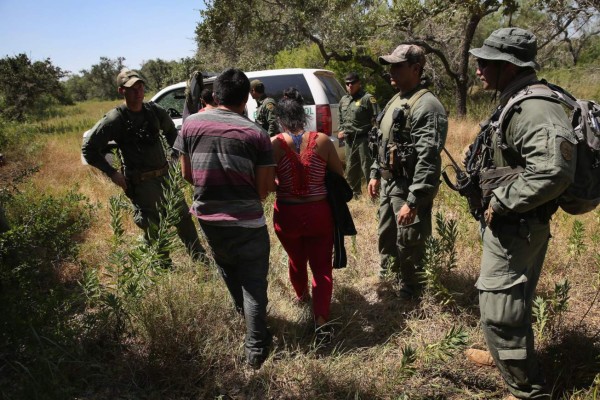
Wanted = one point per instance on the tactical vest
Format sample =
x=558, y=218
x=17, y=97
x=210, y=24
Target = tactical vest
x=143, y=139
x=492, y=164
x=396, y=150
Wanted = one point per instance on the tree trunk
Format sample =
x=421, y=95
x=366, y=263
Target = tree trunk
x=462, y=77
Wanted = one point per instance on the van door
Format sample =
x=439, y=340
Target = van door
x=334, y=92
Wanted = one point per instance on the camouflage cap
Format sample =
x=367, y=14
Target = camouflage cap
x=257, y=85
x=515, y=45
x=351, y=77
x=405, y=52
x=128, y=77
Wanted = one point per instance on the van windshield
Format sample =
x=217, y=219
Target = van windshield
x=275, y=85
x=333, y=89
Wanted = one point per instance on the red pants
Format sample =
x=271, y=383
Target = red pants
x=306, y=232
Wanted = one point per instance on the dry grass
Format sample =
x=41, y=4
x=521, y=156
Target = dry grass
x=186, y=341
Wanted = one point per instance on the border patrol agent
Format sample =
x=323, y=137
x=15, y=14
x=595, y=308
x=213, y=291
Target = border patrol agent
x=358, y=110
x=528, y=169
x=135, y=126
x=406, y=171
x=265, y=106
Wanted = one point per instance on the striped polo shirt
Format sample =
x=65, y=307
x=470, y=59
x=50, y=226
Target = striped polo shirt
x=224, y=148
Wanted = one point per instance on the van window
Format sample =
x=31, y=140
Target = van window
x=275, y=85
x=173, y=99
x=333, y=89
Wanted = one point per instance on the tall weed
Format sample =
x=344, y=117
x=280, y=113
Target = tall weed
x=549, y=312
x=440, y=258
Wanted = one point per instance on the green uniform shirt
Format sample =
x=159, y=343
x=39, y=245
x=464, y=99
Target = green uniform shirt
x=426, y=128
x=265, y=115
x=357, y=113
x=138, y=154
x=540, y=139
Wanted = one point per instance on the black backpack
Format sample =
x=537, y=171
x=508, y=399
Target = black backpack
x=583, y=195
x=193, y=90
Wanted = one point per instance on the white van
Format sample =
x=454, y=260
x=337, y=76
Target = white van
x=321, y=92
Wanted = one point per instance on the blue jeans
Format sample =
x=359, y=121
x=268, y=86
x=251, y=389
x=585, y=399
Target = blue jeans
x=242, y=256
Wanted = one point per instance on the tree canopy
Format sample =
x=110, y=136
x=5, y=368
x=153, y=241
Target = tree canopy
x=26, y=86
x=251, y=34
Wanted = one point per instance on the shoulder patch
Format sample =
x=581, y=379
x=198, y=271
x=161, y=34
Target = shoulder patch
x=566, y=150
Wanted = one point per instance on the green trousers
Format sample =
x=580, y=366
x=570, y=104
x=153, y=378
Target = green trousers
x=146, y=198
x=358, y=163
x=512, y=259
x=401, y=248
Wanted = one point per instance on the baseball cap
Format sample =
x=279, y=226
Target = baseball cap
x=351, y=77
x=128, y=77
x=405, y=52
x=515, y=45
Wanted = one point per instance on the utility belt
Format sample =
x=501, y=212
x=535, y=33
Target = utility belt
x=137, y=177
x=541, y=214
x=518, y=224
x=493, y=178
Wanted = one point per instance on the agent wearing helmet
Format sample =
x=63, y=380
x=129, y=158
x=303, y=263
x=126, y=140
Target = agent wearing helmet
x=412, y=133
x=532, y=161
x=135, y=127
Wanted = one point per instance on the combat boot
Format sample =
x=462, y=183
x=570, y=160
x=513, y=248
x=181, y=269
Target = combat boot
x=482, y=358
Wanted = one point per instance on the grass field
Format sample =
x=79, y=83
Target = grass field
x=180, y=338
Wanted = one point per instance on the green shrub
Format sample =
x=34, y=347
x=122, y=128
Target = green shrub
x=42, y=236
x=36, y=326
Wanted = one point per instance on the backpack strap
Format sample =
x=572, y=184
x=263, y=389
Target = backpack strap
x=411, y=102
x=538, y=90
x=414, y=98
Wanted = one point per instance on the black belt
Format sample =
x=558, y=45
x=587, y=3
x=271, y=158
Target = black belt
x=141, y=176
x=155, y=173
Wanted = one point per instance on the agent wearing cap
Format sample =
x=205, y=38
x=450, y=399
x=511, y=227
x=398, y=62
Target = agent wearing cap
x=538, y=162
x=358, y=110
x=135, y=127
x=406, y=172
x=265, y=106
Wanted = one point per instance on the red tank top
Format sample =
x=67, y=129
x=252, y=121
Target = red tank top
x=301, y=175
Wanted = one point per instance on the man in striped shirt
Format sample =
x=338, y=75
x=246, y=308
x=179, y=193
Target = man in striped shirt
x=229, y=160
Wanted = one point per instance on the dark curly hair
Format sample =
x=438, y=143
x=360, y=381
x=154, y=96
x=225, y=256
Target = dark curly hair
x=290, y=110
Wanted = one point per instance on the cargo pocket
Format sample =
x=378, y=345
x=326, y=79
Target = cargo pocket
x=504, y=307
x=411, y=235
x=503, y=316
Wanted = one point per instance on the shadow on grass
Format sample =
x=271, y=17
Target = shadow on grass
x=571, y=361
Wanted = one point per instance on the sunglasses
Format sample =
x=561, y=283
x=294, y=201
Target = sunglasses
x=351, y=83
x=482, y=63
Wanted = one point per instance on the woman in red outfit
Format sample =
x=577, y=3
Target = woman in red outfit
x=302, y=216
